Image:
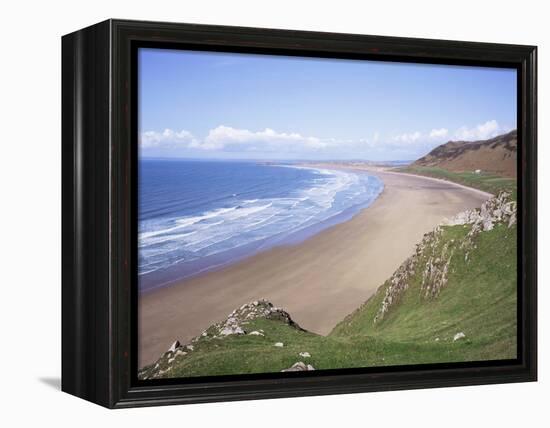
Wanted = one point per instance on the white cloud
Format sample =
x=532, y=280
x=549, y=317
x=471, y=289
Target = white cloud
x=167, y=139
x=235, y=140
x=226, y=137
x=419, y=138
x=408, y=138
x=483, y=131
x=439, y=133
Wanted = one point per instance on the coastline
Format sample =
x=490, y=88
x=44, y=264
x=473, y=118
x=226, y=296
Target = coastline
x=176, y=273
x=320, y=280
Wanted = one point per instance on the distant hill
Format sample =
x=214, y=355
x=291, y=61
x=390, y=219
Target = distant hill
x=496, y=156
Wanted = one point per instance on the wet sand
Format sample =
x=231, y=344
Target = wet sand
x=318, y=281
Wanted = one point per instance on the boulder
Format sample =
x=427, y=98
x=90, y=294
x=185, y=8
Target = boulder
x=300, y=366
x=459, y=336
x=174, y=346
x=227, y=331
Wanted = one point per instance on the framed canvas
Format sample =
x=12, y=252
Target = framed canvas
x=253, y=213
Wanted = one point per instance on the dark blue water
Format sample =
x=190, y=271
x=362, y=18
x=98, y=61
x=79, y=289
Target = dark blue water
x=198, y=215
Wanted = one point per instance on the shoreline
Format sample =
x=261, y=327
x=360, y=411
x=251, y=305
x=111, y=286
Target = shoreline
x=389, y=170
x=320, y=280
x=178, y=273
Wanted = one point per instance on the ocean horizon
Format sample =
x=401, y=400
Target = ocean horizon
x=199, y=215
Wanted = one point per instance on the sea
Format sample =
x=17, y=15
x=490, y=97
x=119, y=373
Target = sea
x=196, y=215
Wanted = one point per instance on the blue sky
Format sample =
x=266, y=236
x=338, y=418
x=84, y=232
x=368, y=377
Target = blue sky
x=224, y=105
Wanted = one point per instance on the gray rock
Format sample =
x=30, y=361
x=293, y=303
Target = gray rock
x=300, y=366
x=459, y=336
x=512, y=220
x=227, y=331
x=249, y=312
x=488, y=224
x=174, y=346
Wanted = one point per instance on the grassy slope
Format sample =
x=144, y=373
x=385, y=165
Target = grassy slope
x=479, y=300
x=483, y=181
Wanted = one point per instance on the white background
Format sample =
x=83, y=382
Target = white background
x=30, y=174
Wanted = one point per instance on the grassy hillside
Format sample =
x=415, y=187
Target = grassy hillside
x=483, y=181
x=462, y=279
x=497, y=155
x=479, y=300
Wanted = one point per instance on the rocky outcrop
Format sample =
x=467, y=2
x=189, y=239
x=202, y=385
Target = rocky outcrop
x=398, y=283
x=400, y=280
x=499, y=209
x=434, y=254
x=235, y=324
x=436, y=268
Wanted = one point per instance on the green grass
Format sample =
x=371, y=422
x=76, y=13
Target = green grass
x=479, y=300
x=483, y=181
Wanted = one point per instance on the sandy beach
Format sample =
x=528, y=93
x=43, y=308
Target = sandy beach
x=318, y=281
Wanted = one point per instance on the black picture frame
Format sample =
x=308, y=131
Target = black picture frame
x=99, y=155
